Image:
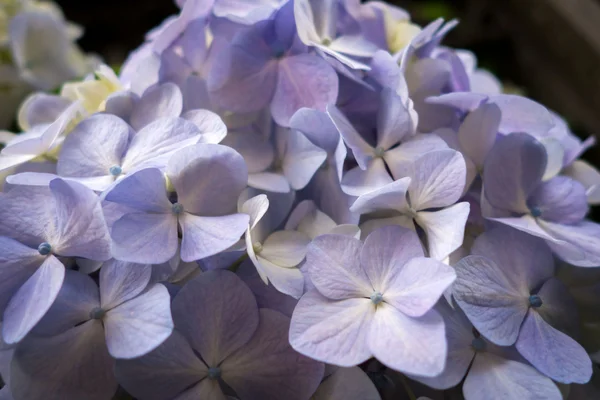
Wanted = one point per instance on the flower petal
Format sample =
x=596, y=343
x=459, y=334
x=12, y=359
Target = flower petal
x=157, y=102
x=121, y=281
x=444, y=228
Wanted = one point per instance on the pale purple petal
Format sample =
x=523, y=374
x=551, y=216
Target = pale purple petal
x=207, y=236
x=444, y=228
x=334, y=266
x=478, y=132
x=400, y=159
x=36, y=374
x=41, y=108
x=121, y=282
x=579, y=243
x=411, y=345
x=145, y=238
x=393, y=120
x=267, y=364
x=255, y=207
x=269, y=181
x=226, y=320
x=163, y=373
x=347, y=384
x=157, y=102
x=139, y=325
x=94, y=146
x=561, y=200
x=486, y=295
x=357, y=181
x=520, y=114
x=211, y=126
x=588, y=176
x=205, y=389
x=389, y=197
x=144, y=190
x=285, y=248
x=332, y=331
x=552, y=352
x=302, y=160
x=304, y=80
x=29, y=304
x=362, y=151
x=208, y=178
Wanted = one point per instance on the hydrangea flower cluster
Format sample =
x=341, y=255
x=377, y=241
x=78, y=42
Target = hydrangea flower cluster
x=274, y=198
x=37, y=52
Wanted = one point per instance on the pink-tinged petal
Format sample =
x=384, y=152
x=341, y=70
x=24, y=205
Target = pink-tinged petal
x=347, y=384
x=304, y=80
x=145, y=238
x=362, y=151
x=415, y=287
x=144, y=190
x=332, y=331
x=486, y=294
x=527, y=266
x=121, y=281
x=302, y=160
x=578, y=244
x=334, y=266
x=385, y=252
x=445, y=228
x=393, y=120
x=205, y=389
x=29, y=304
x=80, y=229
x=496, y=378
x=267, y=364
x=478, y=132
x=94, y=146
x=389, y=197
x=285, y=248
x=437, y=179
x=208, y=178
x=357, y=182
x=553, y=353
x=211, y=126
x=207, y=236
x=411, y=345
x=36, y=374
x=226, y=320
x=400, y=159
x=138, y=326
x=163, y=373
x=153, y=145
x=513, y=168
x=157, y=102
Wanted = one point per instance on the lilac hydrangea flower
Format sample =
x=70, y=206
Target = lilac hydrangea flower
x=123, y=318
x=221, y=335
x=491, y=372
x=553, y=210
x=347, y=384
x=427, y=197
x=262, y=67
x=39, y=225
x=206, y=180
x=373, y=299
x=512, y=297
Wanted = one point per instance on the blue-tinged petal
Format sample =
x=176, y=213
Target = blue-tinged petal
x=207, y=236
x=347, y=384
x=527, y=224
x=318, y=127
x=485, y=293
x=560, y=200
x=79, y=226
x=496, y=378
x=258, y=152
x=462, y=101
x=302, y=159
x=267, y=363
x=393, y=120
x=514, y=167
x=121, y=104
x=145, y=238
x=354, y=45
x=208, y=178
x=578, y=244
x=520, y=114
x=445, y=229
x=558, y=307
x=304, y=80
x=389, y=197
x=363, y=152
x=36, y=374
x=139, y=325
x=334, y=266
x=332, y=331
x=400, y=159
x=94, y=146
x=358, y=182
x=121, y=281
x=217, y=314
x=211, y=126
x=161, y=101
x=411, y=345
x=553, y=353
x=163, y=373
x=478, y=132
x=32, y=300
x=144, y=190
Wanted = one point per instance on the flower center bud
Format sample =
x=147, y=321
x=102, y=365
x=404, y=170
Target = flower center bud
x=535, y=301
x=214, y=372
x=115, y=170
x=97, y=313
x=379, y=152
x=257, y=247
x=535, y=211
x=177, y=208
x=326, y=41
x=44, y=248
x=376, y=298
x=478, y=344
